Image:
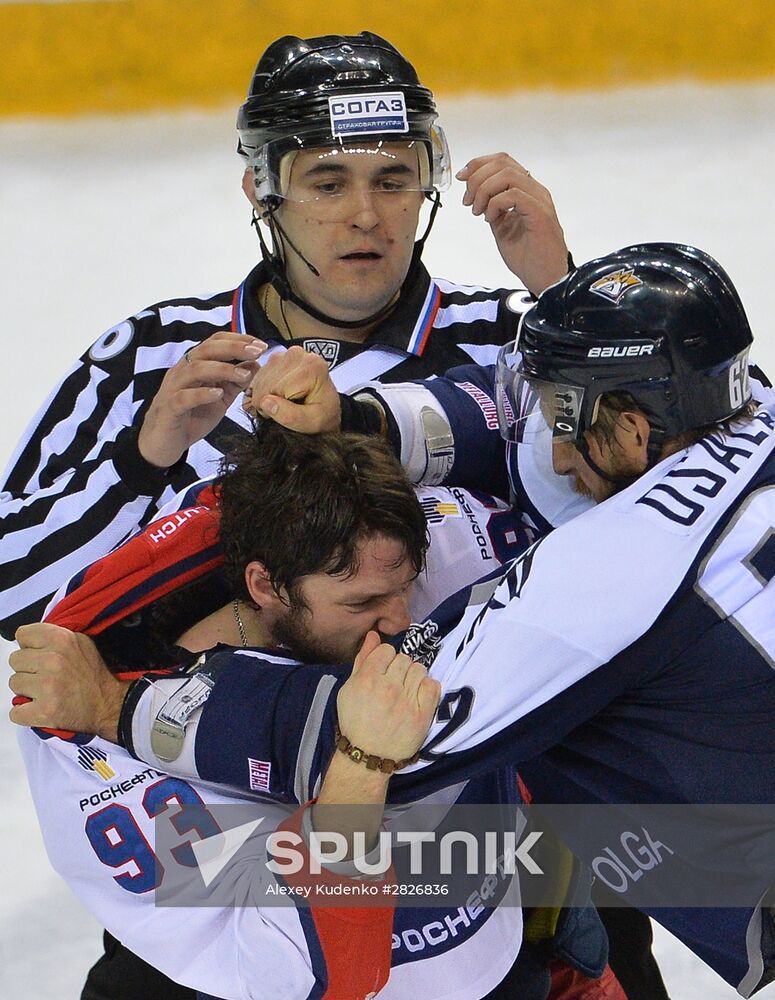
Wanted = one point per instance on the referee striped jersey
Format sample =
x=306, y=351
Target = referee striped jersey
x=77, y=485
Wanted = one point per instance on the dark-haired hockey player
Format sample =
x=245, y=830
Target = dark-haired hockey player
x=341, y=561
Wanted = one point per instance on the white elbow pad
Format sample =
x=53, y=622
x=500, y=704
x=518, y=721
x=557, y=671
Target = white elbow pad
x=427, y=444
x=164, y=722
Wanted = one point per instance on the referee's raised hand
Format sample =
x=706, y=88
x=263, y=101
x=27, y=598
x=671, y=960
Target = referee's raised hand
x=195, y=394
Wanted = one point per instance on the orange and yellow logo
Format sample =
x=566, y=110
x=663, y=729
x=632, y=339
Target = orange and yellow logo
x=614, y=285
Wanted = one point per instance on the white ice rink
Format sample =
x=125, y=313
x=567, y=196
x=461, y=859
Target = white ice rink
x=100, y=217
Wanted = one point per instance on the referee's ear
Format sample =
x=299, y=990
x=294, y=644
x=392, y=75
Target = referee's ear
x=249, y=187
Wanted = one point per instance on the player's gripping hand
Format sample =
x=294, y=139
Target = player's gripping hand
x=522, y=217
x=195, y=394
x=388, y=703
x=66, y=680
x=295, y=389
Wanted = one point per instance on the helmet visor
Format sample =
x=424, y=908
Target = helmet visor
x=532, y=409
x=332, y=182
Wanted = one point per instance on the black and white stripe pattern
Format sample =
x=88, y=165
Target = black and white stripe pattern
x=77, y=486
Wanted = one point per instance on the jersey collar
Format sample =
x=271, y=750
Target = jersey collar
x=406, y=328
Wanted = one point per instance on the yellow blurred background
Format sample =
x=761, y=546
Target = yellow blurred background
x=75, y=56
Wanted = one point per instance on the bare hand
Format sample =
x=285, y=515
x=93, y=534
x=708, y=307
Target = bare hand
x=388, y=703
x=196, y=393
x=67, y=681
x=295, y=389
x=522, y=217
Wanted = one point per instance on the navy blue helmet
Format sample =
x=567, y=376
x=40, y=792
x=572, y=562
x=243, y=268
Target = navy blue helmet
x=660, y=321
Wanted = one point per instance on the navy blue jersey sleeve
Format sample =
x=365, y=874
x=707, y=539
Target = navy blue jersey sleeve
x=445, y=430
x=268, y=724
x=467, y=394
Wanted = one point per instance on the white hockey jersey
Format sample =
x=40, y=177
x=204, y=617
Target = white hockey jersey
x=97, y=805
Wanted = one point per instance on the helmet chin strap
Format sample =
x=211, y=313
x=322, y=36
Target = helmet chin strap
x=653, y=452
x=621, y=481
x=279, y=279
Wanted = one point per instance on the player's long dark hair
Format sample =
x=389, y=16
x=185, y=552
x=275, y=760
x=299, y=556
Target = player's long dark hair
x=301, y=504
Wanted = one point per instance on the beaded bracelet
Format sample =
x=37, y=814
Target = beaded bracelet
x=372, y=762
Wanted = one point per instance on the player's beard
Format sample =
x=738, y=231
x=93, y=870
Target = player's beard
x=626, y=474
x=294, y=630
x=580, y=487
